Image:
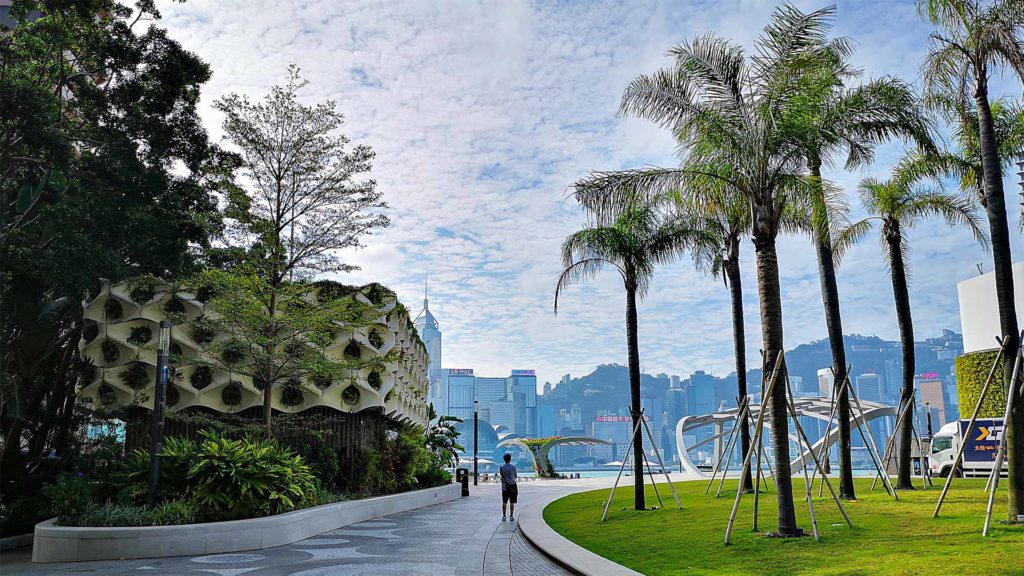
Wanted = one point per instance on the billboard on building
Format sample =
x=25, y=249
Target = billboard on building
x=460, y=371
x=524, y=372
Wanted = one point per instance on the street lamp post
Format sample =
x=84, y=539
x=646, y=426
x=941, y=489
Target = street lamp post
x=476, y=443
x=156, y=433
x=928, y=417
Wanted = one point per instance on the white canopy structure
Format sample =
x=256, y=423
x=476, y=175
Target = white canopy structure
x=539, y=453
x=818, y=407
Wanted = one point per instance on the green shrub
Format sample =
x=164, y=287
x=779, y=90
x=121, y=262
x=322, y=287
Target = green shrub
x=142, y=292
x=374, y=380
x=971, y=371
x=352, y=351
x=23, y=513
x=247, y=478
x=231, y=394
x=350, y=396
x=140, y=335
x=108, y=515
x=173, y=512
x=69, y=496
x=110, y=351
x=113, y=310
x=135, y=376
x=175, y=462
x=376, y=340
x=201, y=377
x=433, y=473
x=202, y=330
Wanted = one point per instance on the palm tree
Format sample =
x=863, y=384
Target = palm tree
x=829, y=120
x=973, y=39
x=724, y=110
x=896, y=204
x=642, y=236
x=726, y=215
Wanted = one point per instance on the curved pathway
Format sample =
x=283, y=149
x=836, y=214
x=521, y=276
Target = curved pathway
x=465, y=537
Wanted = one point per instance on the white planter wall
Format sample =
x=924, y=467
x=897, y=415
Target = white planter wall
x=72, y=544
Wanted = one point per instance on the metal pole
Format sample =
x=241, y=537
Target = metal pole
x=998, y=464
x=928, y=418
x=156, y=432
x=476, y=443
x=970, y=428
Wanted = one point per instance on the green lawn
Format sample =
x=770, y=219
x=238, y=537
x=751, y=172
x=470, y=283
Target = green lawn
x=887, y=538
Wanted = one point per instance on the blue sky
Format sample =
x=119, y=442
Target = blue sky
x=482, y=115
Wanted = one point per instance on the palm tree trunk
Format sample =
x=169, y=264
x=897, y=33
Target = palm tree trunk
x=995, y=209
x=906, y=325
x=732, y=270
x=771, y=330
x=633, y=357
x=834, y=324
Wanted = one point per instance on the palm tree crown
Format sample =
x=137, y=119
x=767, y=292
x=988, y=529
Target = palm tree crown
x=645, y=234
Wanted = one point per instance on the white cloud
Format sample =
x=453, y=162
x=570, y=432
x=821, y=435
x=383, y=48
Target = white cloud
x=482, y=114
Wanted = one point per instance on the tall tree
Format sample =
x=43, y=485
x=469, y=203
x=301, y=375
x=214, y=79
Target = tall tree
x=105, y=172
x=727, y=218
x=830, y=119
x=973, y=39
x=641, y=237
x=304, y=203
x=896, y=205
x=724, y=110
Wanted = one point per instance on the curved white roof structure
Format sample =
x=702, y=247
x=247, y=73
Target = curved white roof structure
x=817, y=407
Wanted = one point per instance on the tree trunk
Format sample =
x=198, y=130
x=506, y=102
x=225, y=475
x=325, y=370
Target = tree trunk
x=995, y=209
x=906, y=325
x=633, y=357
x=834, y=324
x=771, y=331
x=269, y=380
x=732, y=270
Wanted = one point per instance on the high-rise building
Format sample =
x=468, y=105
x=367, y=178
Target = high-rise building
x=673, y=381
x=932, y=391
x=429, y=331
x=869, y=387
x=825, y=380
x=655, y=417
x=547, y=388
x=523, y=393
x=700, y=393
x=509, y=402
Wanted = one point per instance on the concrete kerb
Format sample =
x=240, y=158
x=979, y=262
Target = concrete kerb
x=561, y=549
x=71, y=544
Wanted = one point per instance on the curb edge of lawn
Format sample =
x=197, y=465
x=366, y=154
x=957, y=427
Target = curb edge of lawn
x=561, y=549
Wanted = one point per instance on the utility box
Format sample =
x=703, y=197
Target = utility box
x=462, y=477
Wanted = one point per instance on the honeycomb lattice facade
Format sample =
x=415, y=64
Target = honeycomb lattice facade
x=120, y=337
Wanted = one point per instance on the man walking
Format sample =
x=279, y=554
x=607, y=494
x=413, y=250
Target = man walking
x=509, y=490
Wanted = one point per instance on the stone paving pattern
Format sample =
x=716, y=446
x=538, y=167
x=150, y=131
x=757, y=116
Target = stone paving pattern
x=463, y=537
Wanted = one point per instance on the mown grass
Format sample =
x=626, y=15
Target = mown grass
x=888, y=537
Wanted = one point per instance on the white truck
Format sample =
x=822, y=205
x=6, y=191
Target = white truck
x=979, y=455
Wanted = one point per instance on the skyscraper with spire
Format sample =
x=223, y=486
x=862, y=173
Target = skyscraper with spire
x=430, y=333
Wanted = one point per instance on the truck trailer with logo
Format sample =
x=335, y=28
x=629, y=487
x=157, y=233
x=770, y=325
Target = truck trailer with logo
x=979, y=453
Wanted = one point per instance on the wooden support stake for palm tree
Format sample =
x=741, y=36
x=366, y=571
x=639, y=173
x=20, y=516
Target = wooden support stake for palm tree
x=970, y=427
x=808, y=494
x=661, y=463
x=876, y=458
x=803, y=437
x=755, y=442
x=629, y=455
x=730, y=445
x=621, y=468
x=828, y=430
x=890, y=446
x=1001, y=452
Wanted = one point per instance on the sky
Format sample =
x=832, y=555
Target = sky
x=483, y=114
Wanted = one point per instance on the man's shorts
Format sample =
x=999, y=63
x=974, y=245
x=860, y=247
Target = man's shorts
x=510, y=494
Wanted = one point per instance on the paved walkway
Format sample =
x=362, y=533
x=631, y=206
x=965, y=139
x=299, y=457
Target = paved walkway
x=463, y=537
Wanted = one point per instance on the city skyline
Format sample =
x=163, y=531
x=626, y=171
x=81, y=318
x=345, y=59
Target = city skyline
x=510, y=105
